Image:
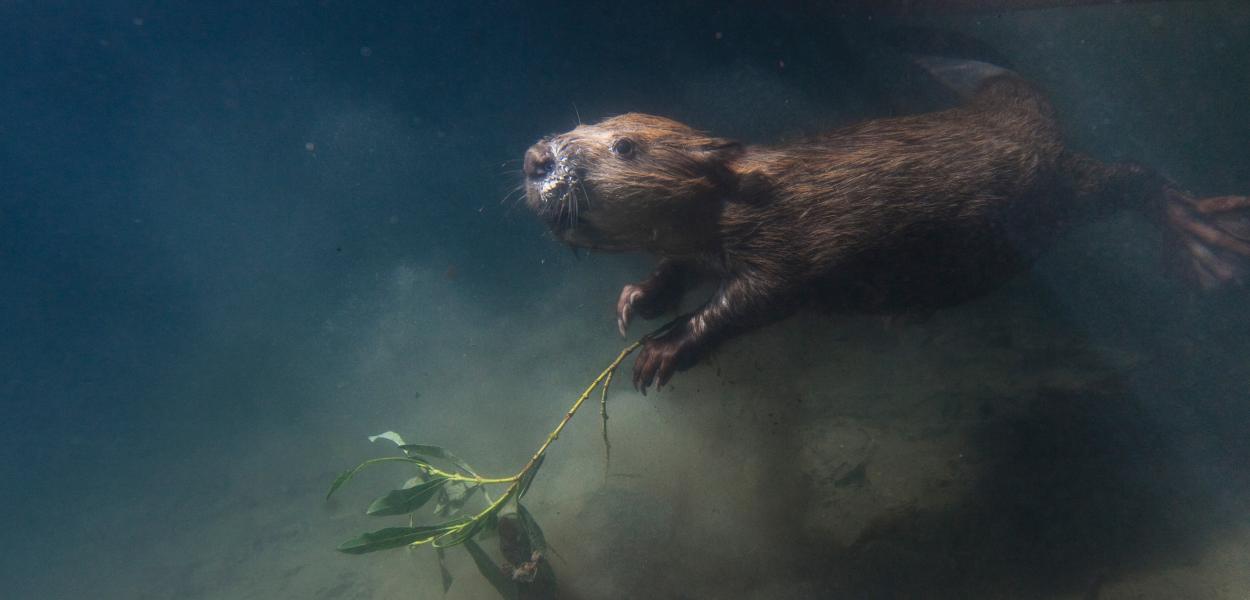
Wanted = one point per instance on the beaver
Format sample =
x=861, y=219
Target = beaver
x=884, y=216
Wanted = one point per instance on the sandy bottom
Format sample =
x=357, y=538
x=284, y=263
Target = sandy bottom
x=992, y=451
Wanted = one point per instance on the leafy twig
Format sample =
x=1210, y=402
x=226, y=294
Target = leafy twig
x=433, y=481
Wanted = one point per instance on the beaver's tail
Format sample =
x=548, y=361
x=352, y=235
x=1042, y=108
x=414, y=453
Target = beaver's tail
x=1210, y=236
x=919, y=69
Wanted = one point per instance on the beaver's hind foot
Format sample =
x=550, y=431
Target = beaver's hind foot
x=1214, y=234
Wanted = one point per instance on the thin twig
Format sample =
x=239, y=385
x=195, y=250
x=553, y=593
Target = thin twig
x=578, y=404
x=603, y=412
x=514, y=488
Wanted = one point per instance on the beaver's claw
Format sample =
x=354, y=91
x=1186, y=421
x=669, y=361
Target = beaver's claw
x=630, y=295
x=661, y=356
x=645, y=300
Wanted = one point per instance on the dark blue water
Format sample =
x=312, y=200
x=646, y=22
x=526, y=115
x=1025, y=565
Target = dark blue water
x=237, y=238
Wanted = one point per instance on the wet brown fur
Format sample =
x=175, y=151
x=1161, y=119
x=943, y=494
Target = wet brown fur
x=889, y=215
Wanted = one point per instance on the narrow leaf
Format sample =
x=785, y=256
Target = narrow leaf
x=406, y=500
x=538, y=542
x=487, y=567
x=429, y=451
x=347, y=475
x=490, y=525
x=389, y=435
x=459, y=536
x=343, y=477
x=442, y=569
x=528, y=477
x=394, y=537
x=478, y=524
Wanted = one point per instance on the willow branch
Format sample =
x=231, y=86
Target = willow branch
x=603, y=413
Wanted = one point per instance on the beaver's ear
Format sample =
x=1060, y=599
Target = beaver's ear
x=719, y=154
x=721, y=150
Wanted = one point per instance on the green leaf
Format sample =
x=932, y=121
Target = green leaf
x=454, y=497
x=428, y=451
x=528, y=478
x=343, y=478
x=442, y=569
x=459, y=536
x=389, y=435
x=538, y=541
x=347, y=475
x=487, y=567
x=394, y=537
x=490, y=525
x=406, y=500
x=478, y=524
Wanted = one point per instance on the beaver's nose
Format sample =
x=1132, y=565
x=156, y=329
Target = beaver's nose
x=539, y=161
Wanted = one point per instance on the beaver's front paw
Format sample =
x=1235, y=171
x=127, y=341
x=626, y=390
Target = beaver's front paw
x=631, y=295
x=661, y=356
x=642, y=300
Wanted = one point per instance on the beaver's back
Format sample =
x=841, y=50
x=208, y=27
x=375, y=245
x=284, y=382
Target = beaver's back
x=911, y=211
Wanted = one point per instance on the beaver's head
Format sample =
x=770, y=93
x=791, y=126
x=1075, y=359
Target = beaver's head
x=631, y=182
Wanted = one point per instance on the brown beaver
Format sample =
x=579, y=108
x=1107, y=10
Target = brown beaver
x=887, y=215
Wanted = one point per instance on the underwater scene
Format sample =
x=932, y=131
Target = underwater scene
x=328, y=300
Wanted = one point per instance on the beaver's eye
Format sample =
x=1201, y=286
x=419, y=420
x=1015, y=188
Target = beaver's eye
x=623, y=147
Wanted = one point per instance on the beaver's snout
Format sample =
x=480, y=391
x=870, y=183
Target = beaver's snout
x=552, y=185
x=539, y=161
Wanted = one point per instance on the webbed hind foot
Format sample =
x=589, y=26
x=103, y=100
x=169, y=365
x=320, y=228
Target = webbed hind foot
x=1214, y=235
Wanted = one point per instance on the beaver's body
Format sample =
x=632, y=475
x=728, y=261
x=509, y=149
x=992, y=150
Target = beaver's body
x=891, y=214
x=888, y=215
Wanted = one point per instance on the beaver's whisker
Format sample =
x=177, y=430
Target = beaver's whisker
x=555, y=208
x=585, y=195
x=565, y=210
x=568, y=201
x=508, y=199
